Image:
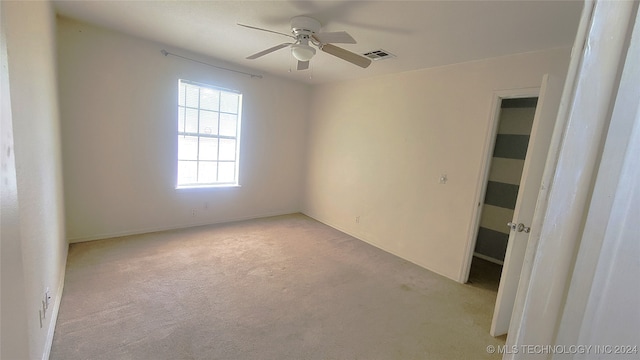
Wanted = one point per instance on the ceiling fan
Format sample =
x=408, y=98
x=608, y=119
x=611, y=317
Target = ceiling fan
x=306, y=32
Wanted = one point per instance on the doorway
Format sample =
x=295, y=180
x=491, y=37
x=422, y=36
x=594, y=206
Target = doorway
x=515, y=121
x=501, y=256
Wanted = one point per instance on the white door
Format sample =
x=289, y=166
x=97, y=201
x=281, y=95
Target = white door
x=524, y=210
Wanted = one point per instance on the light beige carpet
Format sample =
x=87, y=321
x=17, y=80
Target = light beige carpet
x=285, y=287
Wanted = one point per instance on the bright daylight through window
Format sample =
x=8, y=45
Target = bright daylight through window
x=208, y=135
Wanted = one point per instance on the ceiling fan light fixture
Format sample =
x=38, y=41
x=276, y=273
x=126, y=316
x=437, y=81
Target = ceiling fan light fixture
x=302, y=52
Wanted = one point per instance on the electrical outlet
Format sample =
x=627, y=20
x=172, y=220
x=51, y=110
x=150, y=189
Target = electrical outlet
x=357, y=219
x=193, y=212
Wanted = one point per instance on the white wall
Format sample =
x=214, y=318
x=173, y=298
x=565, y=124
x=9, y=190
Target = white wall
x=118, y=99
x=13, y=311
x=378, y=146
x=33, y=225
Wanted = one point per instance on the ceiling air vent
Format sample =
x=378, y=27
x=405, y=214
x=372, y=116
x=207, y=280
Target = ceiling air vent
x=379, y=54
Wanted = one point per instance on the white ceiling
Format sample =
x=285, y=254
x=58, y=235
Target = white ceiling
x=421, y=34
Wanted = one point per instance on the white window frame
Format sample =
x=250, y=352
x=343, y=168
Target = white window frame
x=201, y=175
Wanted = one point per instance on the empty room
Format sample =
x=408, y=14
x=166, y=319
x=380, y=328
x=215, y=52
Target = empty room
x=320, y=179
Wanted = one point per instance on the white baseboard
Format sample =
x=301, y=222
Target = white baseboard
x=383, y=248
x=54, y=316
x=176, y=227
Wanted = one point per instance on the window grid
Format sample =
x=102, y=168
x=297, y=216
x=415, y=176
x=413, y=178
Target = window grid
x=198, y=135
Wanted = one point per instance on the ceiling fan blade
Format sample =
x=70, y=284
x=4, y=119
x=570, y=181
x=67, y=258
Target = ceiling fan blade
x=346, y=55
x=269, y=50
x=337, y=37
x=303, y=65
x=271, y=31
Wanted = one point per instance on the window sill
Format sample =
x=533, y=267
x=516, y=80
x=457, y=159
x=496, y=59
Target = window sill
x=218, y=186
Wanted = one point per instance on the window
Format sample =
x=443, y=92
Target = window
x=208, y=135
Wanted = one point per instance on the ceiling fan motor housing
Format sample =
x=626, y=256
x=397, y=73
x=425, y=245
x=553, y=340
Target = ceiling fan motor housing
x=303, y=25
x=302, y=28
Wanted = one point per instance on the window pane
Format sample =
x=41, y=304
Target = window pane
x=207, y=172
x=229, y=102
x=180, y=119
x=209, y=99
x=227, y=172
x=228, y=124
x=227, y=149
x=187, y=172
x=181, y=91
x=187, y=147
x=192, y=96
x=191, y=122
x=208, y=122
x=208, y=148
